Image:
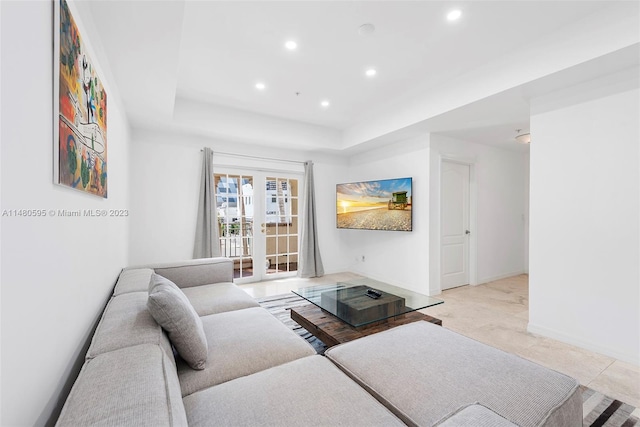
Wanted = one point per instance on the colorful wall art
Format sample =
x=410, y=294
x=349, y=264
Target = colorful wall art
x=81, y=122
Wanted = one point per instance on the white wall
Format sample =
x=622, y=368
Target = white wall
x=333, y=243
x=498, y=187
x=411, y=259
x=57, y=273
x=396, y=257
x=584, y=243
x=166, y=172
x=164, y=197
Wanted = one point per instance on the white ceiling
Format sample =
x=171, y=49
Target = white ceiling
x=192, y=65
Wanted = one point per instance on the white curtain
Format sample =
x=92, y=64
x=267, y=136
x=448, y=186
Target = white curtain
x=310, y=260
x=207, y=243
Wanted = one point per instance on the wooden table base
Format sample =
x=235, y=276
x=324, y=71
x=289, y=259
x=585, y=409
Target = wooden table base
x=333, y=331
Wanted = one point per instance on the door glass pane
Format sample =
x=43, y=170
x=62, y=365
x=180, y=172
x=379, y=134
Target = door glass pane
x=293, y=243
x=234, y=208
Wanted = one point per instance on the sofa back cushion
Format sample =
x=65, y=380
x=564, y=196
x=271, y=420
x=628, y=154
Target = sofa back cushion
x=134, y=280
x=197, y=272
x=135, y=386
x=170, y=307
x=126, y=322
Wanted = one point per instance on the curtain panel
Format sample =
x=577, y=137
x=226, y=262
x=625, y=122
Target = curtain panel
x=207, y=241
x=310, y=259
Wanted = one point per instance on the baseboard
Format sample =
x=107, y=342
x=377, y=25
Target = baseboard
x=499, y=277
x=568, y=339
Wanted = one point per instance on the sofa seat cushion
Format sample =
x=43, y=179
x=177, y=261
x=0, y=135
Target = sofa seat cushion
x=218, y=298
x=476, y=416
x=306, y=392
x=172, y=310
x=136, y=386
x=241, y=343
x=135, y=280
x=424, y=372
x=127, y=322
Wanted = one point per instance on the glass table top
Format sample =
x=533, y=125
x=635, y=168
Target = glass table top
x=359, y=302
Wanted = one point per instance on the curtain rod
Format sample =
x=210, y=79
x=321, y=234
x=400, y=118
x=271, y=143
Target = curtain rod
x=257, y=157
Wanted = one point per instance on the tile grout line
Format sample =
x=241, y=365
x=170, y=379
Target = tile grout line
x=601, y=372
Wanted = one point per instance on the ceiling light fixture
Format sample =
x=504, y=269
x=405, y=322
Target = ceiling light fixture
x=324, y=103
x=454, y=15
x=291, y=45
x=523, y=138
x=371, y=72
x=261, y=86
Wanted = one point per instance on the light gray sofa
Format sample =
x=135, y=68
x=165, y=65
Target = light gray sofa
x=259, y=372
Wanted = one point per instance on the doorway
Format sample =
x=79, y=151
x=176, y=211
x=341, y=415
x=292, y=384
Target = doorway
x=258, y=223
x=454, y=224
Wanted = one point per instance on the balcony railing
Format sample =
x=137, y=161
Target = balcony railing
x=231, y=246
x=236, y=239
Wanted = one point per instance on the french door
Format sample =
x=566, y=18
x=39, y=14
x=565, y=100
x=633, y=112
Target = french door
x=258, y=222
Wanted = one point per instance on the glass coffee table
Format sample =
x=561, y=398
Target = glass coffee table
x=351, y=309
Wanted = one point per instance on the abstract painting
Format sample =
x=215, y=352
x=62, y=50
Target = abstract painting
x=81, y=118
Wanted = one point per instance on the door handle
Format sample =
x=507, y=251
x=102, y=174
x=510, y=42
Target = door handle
x=467, y=232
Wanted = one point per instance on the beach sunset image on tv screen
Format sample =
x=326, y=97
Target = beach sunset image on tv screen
x=375, y=205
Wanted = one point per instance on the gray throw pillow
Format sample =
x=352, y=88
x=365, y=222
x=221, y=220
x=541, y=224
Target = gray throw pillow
x=173, y=311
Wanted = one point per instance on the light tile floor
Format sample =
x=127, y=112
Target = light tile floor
x=497, y=313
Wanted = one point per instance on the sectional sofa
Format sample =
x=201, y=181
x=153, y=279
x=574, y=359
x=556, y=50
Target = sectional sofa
x=256, y=371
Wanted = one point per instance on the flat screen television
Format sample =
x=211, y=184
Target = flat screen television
x=375, y=205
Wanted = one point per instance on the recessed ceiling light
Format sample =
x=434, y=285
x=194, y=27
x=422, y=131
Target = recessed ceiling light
x=261, y=86
x=366, y=29
x=291, y=45
x=324, y=103
x=454, y=15
x=371, y=72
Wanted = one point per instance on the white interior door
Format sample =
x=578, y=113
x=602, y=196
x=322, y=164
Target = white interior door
x=454, y=225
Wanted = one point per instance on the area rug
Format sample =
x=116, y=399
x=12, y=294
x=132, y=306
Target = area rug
x=598, y=410
x=280, y=305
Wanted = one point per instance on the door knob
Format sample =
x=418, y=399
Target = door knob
x=467, y=232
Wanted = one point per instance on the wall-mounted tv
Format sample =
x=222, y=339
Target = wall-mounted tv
x=375, y=205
